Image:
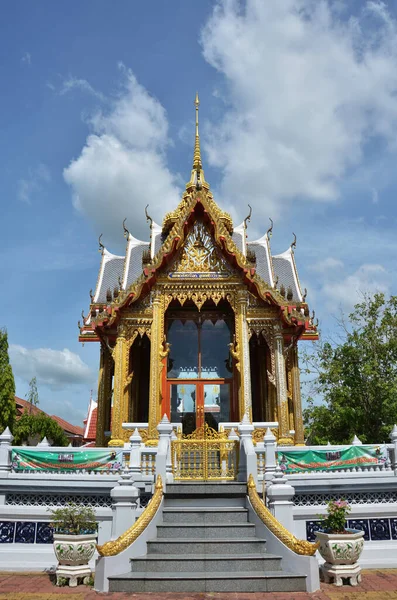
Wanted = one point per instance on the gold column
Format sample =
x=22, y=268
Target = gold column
x=156, y=348
x=242, y=348
x=120, y=356
x=296, y=397
x=284, y=437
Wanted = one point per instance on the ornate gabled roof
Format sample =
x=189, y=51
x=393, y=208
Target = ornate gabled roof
x=273, y=279
x=133, y=260
x=263, y=255
x=285, y=269
x=110, y=272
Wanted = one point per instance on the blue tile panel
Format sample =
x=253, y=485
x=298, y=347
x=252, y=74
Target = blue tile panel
x=25, y=532
x=374, y=529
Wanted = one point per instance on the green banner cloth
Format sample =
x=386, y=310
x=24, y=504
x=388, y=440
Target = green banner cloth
x=78, y=460
x=324, y=460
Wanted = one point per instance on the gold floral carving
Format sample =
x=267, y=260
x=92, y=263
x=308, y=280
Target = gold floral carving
x=259, y=433
x=286, y=537
x=200, y=255
x=198, y=295
x=127, y=538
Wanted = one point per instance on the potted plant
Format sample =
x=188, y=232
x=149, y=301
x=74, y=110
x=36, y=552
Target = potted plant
x=339, y=546
x=75, y=534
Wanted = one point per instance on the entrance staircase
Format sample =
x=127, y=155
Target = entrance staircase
x=206, y=544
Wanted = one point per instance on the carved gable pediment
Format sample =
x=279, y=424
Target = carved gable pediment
x=200, y=257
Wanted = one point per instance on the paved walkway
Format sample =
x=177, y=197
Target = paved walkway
x=375, y=585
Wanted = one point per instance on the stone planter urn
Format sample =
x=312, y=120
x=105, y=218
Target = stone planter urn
x=341, y=552
x=74, y=553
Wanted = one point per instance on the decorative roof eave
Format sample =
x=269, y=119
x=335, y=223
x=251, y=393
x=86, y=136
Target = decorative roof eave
x=265, y=242
x=106, y=257
x=289, y=255
x=132, y=242
x=175, y=239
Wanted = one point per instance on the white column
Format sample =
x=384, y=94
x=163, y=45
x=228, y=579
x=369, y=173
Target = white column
x=270, y=460
x=163, y=457
x=248, y=460
x=135, y=456
x=124, y=504
x=6, y=439
x=280, y=495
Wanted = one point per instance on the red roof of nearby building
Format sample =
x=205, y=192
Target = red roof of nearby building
x=90, y=422
x=68, y=427
x=23, y=405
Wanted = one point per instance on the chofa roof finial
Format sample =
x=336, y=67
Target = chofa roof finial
x=293, y=245
x=269, y=232
x=101, y=246
x=148, y=217
x=248, y=217
x=126, y=232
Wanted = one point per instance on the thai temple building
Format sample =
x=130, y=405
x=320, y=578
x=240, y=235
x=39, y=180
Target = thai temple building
x=198, y=323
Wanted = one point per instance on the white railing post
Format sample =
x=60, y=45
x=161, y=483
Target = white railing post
x=356, y=441
x=280, y=495
x=44, y=443
x=163, y=457
x=248, y=461
x=124, y=504
x=5, y=451
x=135, y=456
x=270, y=459
x=393, y=437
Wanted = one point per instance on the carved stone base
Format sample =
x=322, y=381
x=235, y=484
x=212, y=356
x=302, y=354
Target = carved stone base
x=285, y=441
x=116, y=443
x=337, y=573
x=73, y=574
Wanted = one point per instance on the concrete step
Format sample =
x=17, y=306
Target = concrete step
x=207, y=546
x=197, y=514
x=240, y=581
x=219, y=489
x=205, y=501
x=211, y=531
x=177, y=563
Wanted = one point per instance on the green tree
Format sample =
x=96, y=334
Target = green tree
x=7, y=385
x=356, y=377
x=32, y=395
x=32, y=428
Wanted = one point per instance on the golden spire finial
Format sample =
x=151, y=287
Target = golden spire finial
x=197, y=165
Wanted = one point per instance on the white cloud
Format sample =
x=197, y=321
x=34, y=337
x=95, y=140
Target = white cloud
x=122, y=166
x=305, y=88
x=26, y=58
x=54, y=368
x=34, y=182
x=347, y=291
x=326, y=265
x=72, y=83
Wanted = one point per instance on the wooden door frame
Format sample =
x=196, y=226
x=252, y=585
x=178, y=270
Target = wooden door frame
x=199, y=383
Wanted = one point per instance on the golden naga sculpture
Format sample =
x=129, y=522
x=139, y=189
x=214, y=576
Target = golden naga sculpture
x=286, y=537
x=128, y=537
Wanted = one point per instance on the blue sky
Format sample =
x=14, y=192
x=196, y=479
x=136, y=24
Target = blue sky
x=298, y=118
